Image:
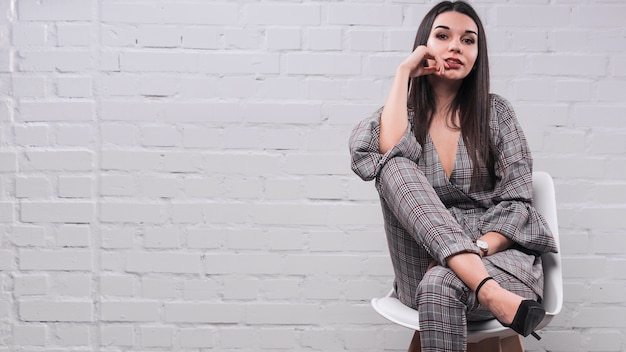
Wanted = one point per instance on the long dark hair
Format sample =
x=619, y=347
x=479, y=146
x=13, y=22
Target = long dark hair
x=471, y=101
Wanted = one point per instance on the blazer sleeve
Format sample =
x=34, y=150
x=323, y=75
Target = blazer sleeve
x=366, y=159
x=512, y=213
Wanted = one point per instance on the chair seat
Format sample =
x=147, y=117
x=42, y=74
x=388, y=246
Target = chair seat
x=544, y=201
x=393, y=310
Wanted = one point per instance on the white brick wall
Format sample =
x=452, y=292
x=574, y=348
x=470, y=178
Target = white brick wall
x=174, y=175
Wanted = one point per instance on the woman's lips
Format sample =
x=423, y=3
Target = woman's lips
x=454, y=63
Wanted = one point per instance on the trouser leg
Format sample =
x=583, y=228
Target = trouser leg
x=414, y=203
x=445, y=304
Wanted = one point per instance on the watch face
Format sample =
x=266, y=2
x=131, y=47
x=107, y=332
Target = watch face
x=482, y=245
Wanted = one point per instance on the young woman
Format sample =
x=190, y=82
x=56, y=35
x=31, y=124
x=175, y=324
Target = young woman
x=454, y=172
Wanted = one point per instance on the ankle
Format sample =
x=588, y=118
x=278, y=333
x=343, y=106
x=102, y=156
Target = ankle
x=486, y=291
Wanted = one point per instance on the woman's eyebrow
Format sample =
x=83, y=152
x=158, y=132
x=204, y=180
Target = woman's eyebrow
x=469, y=31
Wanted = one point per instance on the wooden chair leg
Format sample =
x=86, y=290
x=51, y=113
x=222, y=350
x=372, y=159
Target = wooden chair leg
x=512, y=344
x=486, y=345
x=494, y=344
x=416, y=343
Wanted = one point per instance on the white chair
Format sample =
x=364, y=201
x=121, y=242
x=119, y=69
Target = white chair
x=491, y=334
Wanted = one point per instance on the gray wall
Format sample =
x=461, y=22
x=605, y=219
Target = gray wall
x=174, y=175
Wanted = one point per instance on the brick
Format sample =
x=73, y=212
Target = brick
x=222, y=313
x=349, y=114
x=7, y=259
x=48, y=60
x=324, y=38
x=270, y=314
x=29, y=34
x=601, y=16
x=323, y=339
x=568, y=65
x=65, y=10
x=74, y=87
x=75, y=136
x=245, y=239
x=29, y=86
x=29, y=335
x=279, y=338
x=317, y=164
x=237, y=38
x=202, y=112
x=292, y=113
x=365, y=14
x=55, y=260
x=255, y=264
x=36, y=111
x=243, y=138
x=595, y=317
x=53, y=311
x=241, y=289
x=33, y=187
x=113, y=237
x=118, y=285
x=158, y=288
x=582, y=267
x=129, y=311
x=237, y=337
x=121, y=12
x=74, y=236
x=73, y=336
x=200, y=289
x=76, y=35
x=195, y=338
x=158, y=37
x=7, y=212
x=75, y=187
x=161, y=187
x=323, y=264
x=57, y=212
x=132, y=212
x=161, y=237
x=200, y=38
x=203, y=238
x=277, y=289
x=57, y=160
x=321, y=289
x=285, y=240
x=515, y=16
x=117, y=335
x=71, y=284
x=156, y=336
x=279, y=14
x=200, y=13
x=367, y=40
x=323, y=64
x=290, y=214
x=35, y=284
x=163, y=262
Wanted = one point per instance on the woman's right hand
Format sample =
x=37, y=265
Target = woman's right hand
x=414, y=63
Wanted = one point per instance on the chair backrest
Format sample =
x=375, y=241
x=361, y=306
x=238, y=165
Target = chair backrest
x=545, y=202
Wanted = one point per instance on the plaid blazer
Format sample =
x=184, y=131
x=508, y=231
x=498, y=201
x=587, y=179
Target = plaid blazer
x=504, y=207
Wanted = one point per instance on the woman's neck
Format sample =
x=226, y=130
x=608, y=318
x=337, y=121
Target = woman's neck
x=445, y=91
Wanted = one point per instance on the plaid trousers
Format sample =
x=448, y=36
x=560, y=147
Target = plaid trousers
x=419, y=229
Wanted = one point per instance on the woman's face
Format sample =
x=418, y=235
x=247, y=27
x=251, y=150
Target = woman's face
x=454, y=38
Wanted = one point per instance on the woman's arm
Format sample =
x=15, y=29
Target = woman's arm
x=512, y=214
x=394, y=118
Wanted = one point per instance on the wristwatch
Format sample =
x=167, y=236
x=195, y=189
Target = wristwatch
x=483, y=246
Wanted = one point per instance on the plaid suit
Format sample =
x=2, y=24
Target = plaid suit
x=428, y=216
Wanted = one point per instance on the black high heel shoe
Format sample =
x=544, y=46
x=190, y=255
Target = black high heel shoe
x=529, y=314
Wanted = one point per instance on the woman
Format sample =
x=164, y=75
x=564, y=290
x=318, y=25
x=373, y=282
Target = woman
x=454, y=172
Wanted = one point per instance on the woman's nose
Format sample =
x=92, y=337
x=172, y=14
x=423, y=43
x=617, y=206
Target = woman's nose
x=455, y=46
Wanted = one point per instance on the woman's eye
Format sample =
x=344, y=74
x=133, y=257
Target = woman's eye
x=469, y=41
x=441, y=36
